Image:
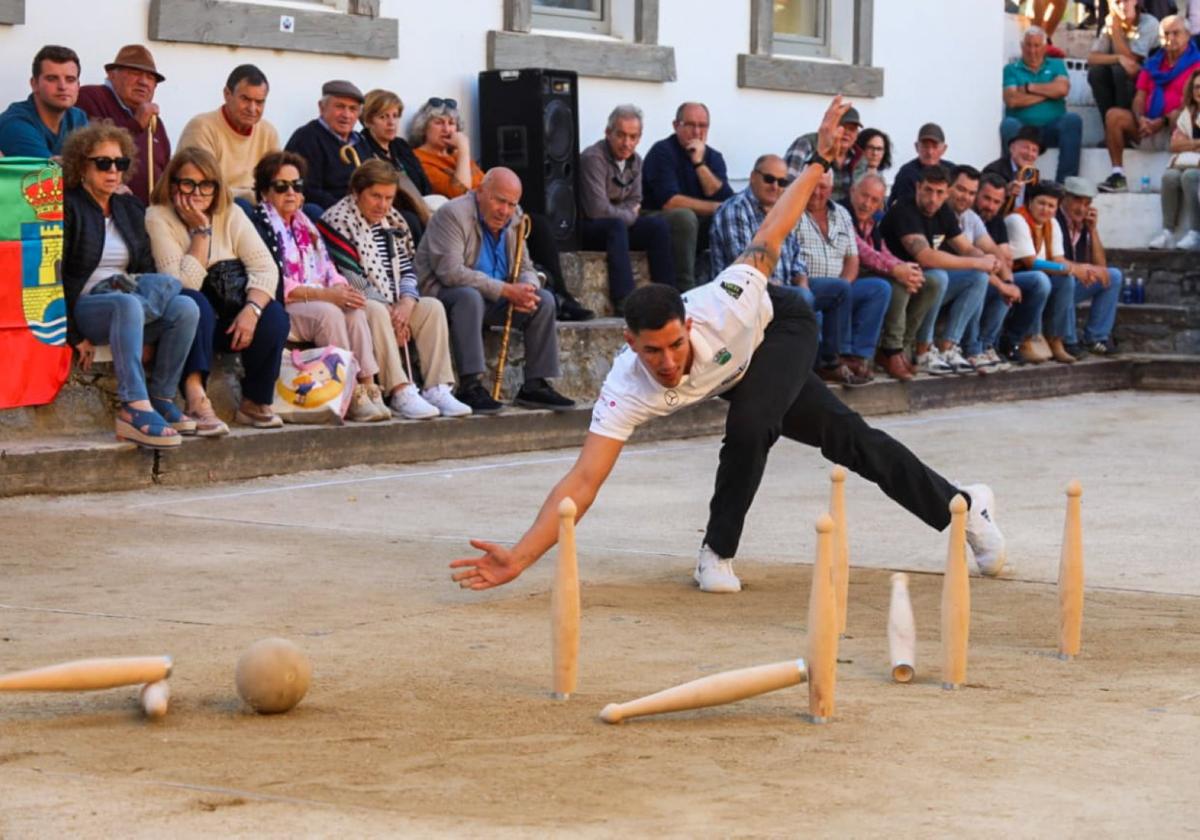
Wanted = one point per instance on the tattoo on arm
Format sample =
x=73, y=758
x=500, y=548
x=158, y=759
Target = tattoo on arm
x=761, y=257
x=914, y=243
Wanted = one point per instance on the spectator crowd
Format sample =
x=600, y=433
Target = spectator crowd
x=353, y=235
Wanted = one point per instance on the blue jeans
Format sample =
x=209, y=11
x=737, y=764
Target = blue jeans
x=1065, y=134
x=1058, y=319
x=651, y=234
x=1020, y=317
x=869, y=299
x=963, y=300
x=260, y=361
x=1103, y=312
x=118, y=320
x=832, y=295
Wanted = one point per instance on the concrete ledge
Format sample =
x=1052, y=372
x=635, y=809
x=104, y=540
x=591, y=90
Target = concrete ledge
x=797, y=75
x=73, y=465
x=1166, y=373
x=12, y=12
x=607, y=59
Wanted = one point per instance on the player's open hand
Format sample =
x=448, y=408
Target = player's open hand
x=496, y=567
x=831, y=123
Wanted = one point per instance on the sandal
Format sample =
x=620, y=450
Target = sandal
x=146, y=428
x=170, y=412
x=249, y=414
x=208, y=424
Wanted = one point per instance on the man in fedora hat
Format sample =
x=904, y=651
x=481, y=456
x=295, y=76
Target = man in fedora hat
x=1019, y=167
x=127, y=98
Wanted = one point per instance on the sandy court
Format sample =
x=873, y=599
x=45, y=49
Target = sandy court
x=429, y=712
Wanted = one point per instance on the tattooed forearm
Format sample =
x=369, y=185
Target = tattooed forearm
x=762, y=257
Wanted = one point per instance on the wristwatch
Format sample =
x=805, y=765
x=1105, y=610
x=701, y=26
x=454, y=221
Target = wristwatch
x=698, y=165
x=820, y=161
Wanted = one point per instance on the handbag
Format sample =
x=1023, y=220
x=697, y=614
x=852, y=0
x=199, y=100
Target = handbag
x=315, y=385
x=225, y=288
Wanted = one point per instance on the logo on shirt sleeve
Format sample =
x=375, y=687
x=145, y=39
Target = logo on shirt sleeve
x=723, y=355
x=732, y=289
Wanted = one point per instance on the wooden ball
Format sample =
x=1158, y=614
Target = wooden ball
x=273, y=675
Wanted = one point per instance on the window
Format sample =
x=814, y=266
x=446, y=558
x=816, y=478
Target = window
x=594, y=16
x=811, y=46
x=614, y=39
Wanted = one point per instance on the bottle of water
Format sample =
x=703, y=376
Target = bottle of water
x=1139, y=291
x=1127, y=290
x=1145, y=183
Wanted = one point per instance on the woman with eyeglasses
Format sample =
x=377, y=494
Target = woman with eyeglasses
x=444, y=150
x=201, y=237
x=872, y=154
x=322, y=305
x=113, y=294
x=381, y=131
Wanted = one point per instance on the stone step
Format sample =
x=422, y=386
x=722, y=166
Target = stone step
x=1172, y=277
x=1157, y=328
x=586, y=276
x=1128, y=220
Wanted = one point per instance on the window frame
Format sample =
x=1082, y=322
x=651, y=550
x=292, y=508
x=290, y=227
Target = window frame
x=571, y=20
x=640, y=59
x=801, y=46
x=12, y=12
x=766, y=68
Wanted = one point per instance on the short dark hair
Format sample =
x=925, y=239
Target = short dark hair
x=935, y=174
x=1047, y=188
x=993, y=180
x=267, y=168
x=652, y=307
x=372, y=172
x=247, y=73
x=59, y=55
x=963, y=169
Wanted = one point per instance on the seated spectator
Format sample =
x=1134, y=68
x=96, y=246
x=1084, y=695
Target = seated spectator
x=1035, y=93
x=1160, y=93
x=464, y=261
x=381, y=135
x=330, y=144
x=127, y=99
x=1015, y=335
x=198, y=236
x=236, y=135
x=842, y=163
x=931, y=148
x=1095, y=280
x=321, y=304
x=437, y=135
x=1005, y=298
x=1181, y=181
x=924, y=229
x=850, y=332
x=1128, y=36
x=610, y=198
x=113, y=295
x=372, y=245
x=684, y=179
x=1037, y=244
x=872, y=154
x=912, y=293
x=1018, y=168
x=38, y=125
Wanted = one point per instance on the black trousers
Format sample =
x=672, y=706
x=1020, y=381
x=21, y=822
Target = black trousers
x=1111, y=87
x=780, y=395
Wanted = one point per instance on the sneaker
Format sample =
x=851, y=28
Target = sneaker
x=362, y=408
x=982, y=363
x=953, y=357
x=1079, y=351
x=1163, y=240
x=442, y=398
x=410, y=406
x=475, y=397
x=1103, y=348
x=1114, y=183
x=715, y=574
x=999, y=364
x=1189, y=242
x=538, y=393
x=931, y=362
x=377, y=400
x=987, y=543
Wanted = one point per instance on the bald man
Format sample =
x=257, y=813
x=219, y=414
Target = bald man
x=464, y=260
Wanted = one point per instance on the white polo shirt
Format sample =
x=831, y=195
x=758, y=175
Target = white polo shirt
x=729, y=316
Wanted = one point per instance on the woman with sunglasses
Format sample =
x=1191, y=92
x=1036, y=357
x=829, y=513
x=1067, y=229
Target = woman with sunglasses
x=322, y=305
x=113, y=295
x=196, y=232
x=381, y=132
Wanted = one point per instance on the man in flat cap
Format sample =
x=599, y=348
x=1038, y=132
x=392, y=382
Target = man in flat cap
x=931, y=148
x=321, y=142
x=127, y=98
x=1095, y=279
x=802, y=148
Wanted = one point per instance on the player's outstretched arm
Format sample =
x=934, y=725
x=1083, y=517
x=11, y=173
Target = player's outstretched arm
x=763, y=251
x=498, y=565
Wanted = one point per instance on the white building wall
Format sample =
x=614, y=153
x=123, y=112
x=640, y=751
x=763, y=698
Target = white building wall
x=942, y=61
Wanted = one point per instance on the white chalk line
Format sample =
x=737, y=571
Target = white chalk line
x=85, y=613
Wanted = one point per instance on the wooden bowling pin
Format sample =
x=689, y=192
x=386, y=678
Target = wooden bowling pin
x=822, y=628
x=841, y=542
x=564, y=606
x=155, y=697
x=956, y=600
x=1070, y=577
x=902, y=631
x=90, y=674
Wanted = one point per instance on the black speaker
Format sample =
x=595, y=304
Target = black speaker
x=529, y=122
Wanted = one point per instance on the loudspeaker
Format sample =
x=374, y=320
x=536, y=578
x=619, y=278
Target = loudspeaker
x=529, y=122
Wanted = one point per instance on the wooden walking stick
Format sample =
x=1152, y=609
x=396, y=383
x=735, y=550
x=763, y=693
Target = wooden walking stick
x=151, y=127
x=514, y=274
x=349, y=154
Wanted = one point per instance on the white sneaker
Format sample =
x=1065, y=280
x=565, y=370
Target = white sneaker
x=362, y=409
x=1190, y=241
x=998, y=361
x=715, y=574
x=982, y=364
x=1163, y=240
x=953, y=357
x=931, y=362
x=442, y=398
x=987, y=543
x=408, y=404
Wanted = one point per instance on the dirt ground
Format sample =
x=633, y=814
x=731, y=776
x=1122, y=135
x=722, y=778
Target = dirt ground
x=429, y=713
